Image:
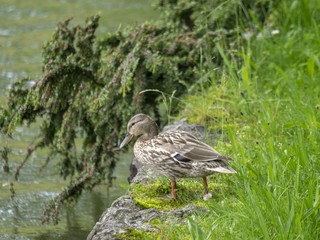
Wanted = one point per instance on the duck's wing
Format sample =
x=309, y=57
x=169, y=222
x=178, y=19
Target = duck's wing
x=184, y=147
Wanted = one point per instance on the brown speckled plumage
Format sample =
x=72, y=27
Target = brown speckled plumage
x=175, y=154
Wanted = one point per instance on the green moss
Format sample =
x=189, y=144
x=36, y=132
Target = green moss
x=130, y=234
x=190, y=191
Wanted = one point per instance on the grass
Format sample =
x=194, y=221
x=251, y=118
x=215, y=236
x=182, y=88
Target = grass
x=268, y=107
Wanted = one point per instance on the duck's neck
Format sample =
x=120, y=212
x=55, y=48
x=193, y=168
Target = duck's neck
x=151, y=132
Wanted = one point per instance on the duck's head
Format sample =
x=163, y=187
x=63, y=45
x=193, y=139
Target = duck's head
x=140, y=124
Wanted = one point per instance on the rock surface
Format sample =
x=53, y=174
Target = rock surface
x=121, y=215
x=124, y=213
x=197, y=130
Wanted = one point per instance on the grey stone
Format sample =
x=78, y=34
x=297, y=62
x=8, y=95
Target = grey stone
x=121, y=215
x=124, y=214
x=188, y=211
x=198, y=130
x=141, y=174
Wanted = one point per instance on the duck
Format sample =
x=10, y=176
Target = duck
x=174, y=154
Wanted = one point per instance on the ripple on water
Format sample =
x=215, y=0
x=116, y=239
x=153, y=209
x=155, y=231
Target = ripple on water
x=17, y=211
x=4, y=32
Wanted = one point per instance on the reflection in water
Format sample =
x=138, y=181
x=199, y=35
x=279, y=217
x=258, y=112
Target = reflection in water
x=24, y=26
x=20, y=216
x=99, y=204
x=16, y=217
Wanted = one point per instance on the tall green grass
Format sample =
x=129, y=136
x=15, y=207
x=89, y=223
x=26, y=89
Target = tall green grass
x=268, y=106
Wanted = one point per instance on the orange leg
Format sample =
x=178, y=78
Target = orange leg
x=205, y=185
x=173, y=186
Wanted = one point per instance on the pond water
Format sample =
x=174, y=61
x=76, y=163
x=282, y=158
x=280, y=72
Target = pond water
x=24, y=26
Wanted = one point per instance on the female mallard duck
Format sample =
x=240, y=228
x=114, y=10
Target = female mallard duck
x=175, y=154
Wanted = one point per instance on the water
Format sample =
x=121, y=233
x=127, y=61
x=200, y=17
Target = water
x=24, y=26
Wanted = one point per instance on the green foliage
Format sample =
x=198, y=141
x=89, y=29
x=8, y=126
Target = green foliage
x=90, y=88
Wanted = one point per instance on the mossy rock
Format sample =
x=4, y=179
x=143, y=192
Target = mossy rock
x=130, y=234
x=190, y=191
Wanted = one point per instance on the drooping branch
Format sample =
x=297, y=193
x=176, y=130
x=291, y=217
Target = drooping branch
x=90, y=88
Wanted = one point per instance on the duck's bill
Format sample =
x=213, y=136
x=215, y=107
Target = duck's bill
x=126, y=140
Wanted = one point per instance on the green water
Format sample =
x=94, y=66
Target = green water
x=24, y=26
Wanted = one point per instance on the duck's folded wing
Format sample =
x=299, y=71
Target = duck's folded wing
x=184, y=146
x=201, y=152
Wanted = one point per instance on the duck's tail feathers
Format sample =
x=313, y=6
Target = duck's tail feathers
x=225, y=158
x=225, y=169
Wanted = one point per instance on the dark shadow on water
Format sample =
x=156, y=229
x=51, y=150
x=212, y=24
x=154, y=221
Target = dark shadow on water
x=99, y=205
